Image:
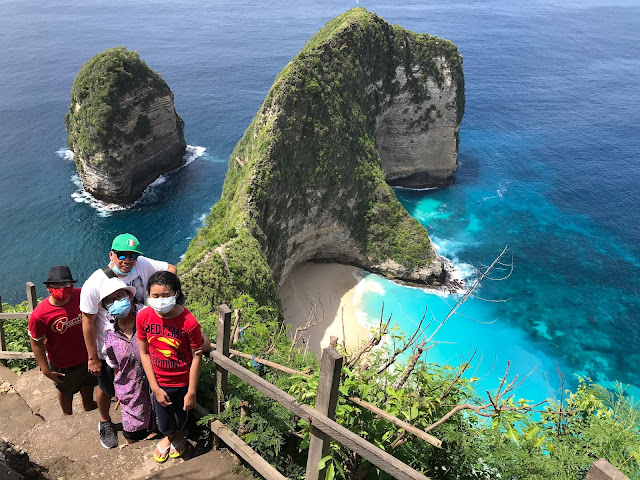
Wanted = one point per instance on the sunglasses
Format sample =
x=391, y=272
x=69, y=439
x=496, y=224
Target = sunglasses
x=123, y=255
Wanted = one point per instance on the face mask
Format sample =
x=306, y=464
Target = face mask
x=120, y=308
x=162, y=305
x=117, y=270
x=60, y=293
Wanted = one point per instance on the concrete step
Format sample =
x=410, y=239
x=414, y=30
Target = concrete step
x=69, y=447
x=215, y=465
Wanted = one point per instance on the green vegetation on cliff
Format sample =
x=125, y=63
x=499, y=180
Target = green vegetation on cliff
x=309, y=160
x=96, y=96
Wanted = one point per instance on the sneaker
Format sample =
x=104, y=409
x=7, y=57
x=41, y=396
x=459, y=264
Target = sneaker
x=108, y=436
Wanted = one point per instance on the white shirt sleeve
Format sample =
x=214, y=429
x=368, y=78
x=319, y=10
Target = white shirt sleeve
x=90, y=294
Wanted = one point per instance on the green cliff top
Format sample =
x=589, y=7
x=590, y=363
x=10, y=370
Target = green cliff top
x=310, y=156
x=95, y=97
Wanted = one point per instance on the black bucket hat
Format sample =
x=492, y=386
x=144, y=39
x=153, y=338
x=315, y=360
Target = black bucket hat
x=59, y=273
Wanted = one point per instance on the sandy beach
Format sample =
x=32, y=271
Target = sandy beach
x=322, y=293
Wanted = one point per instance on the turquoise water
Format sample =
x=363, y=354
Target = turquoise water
x=548, y=158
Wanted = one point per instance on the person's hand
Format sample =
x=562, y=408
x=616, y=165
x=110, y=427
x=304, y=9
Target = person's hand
x=56, y=377
x=95, y=367
x=189, y=401
x=162, y=397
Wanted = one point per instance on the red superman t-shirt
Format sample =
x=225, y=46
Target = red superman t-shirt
x=61, y=328
x=170, y=343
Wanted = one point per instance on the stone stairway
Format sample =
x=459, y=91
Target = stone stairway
x=68, y=446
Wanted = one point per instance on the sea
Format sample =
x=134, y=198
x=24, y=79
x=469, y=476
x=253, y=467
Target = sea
x=549, y=163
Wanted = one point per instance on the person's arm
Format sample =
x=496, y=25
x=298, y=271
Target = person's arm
x=206, y=344
x=194, y=376
x=89, y=332
x=37, y=346
x=172, y=269
x=145, y=358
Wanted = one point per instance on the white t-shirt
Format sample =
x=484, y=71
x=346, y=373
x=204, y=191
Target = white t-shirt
x=90, y=295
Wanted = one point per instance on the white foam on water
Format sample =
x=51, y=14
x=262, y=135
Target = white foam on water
x=65, y=153
x=105, y=209
x=499, y=194
x=399, y=187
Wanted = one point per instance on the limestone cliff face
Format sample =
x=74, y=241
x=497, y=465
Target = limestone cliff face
x=418, y=137
x=363, y=105
x=123, y=127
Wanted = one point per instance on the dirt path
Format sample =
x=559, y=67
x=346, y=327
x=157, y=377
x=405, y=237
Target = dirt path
x=69, y=448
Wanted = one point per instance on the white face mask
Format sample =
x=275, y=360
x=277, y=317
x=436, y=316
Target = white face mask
x=162, y=305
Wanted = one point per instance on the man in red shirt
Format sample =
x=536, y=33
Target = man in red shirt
x=55, y=325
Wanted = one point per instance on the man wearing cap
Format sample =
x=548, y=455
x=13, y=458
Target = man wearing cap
x=126, y=263
x=55, y=326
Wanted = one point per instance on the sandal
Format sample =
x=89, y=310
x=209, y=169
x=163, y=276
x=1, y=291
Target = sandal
x=174, y=452
x=164, y=453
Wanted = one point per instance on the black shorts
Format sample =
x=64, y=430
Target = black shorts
x=137, y=435
x=105, y=380
x=74, y=378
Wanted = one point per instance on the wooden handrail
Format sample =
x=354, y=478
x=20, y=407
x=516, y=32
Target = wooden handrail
x=375, y=455
x=15, y=316
x=4, y=355
x=372, y=408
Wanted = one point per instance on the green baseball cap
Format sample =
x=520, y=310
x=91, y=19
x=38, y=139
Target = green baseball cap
x=125, y=242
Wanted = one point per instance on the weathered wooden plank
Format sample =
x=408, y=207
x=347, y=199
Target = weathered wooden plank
x=14, y=315
x=237, y=445
x=326, y=401
x=248, y=454
x=16, y=355
x=375, y=455
x=397, y=422
x=32, y=298
x=222, y=346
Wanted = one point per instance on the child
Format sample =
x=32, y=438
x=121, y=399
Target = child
x=55, y=325
x=123, y=355
x=170, y=349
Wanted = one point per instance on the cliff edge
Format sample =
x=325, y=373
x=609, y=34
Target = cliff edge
x=123, y=127
x=365, y=104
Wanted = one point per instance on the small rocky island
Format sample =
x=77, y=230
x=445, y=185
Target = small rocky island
x=363, y=106
x=123, y=127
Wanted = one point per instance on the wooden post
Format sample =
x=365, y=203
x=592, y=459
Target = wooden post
x=242, y=428
x=32, y=299
x=3, y=345
x=222, y=347
x=326, y=401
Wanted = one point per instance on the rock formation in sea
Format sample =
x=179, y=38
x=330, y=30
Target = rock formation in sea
x=365, y=104
x=123, y=127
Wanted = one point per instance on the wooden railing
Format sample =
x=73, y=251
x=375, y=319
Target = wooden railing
x=323, y=427
x=32, y=301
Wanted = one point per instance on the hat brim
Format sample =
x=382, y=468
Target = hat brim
x=114, y=288
x=59, y=281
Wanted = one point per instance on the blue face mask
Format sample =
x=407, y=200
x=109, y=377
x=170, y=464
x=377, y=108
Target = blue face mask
x=120, y=308
x=117, y=270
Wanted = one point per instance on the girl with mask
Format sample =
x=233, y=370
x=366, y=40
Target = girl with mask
x=171, y=344
x=123, y=355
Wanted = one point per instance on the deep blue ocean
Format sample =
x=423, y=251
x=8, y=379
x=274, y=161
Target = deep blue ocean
x=549, y=160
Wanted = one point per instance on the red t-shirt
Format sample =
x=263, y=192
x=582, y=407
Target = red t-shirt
x=61, y=328
x=170, y=343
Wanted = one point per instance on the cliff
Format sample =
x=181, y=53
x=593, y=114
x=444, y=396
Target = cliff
x=123, y=128
x=364, y=104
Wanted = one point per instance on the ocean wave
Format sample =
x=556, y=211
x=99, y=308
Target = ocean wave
x=400, y=187
x=499, y=194
x=105, y=209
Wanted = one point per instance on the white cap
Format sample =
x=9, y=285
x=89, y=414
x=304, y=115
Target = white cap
x=112, y=285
